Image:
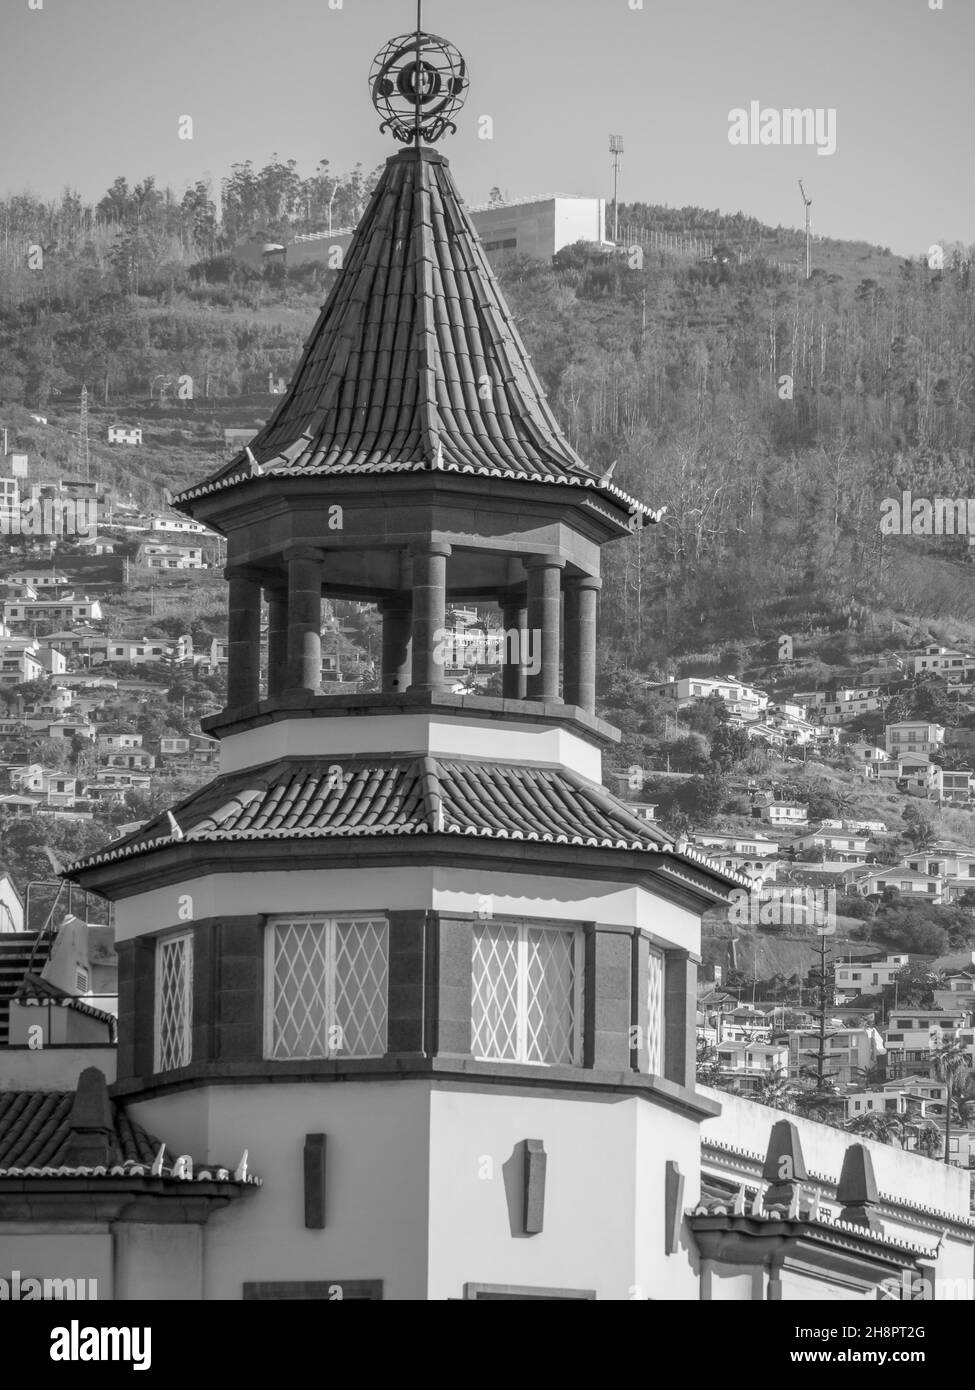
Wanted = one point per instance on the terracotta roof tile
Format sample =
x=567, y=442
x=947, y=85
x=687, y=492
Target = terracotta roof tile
x=35, y=1132
x=35, y=1128
x=415, y=362
x=322, y=798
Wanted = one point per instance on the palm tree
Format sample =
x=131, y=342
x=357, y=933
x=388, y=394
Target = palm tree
x=778, y=1091
x=962, y=1101
x=927, y=1137
x=951, y=1065
x=877, y=1124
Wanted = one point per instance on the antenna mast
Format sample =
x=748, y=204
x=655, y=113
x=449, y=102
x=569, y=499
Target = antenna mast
x=616, y=150
x=808, y=205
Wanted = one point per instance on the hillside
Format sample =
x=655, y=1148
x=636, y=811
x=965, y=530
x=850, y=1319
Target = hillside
x=770, y=415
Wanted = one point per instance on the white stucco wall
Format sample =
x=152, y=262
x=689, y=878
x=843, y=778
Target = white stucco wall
x=604, y=1193
x=52, y=1068
x=416, y=1188
x=377, y=1200
x=421, y=733
x=343, y=890
x=159, y=1261
x=59, y=1027
x=41, y=1251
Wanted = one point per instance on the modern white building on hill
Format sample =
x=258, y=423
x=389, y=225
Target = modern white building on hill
x=537, y=226
x=540, y=227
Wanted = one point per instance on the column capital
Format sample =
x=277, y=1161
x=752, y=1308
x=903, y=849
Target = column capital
x=545, y=562
x=398, y=603
x=583, y=581
x=513, y=596
x=432, y=547
x=240, y=572
x=296, y=550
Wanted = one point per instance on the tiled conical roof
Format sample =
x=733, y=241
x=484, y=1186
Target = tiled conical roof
x=415, y=362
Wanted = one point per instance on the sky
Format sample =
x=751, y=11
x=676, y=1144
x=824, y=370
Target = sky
x=94, y=89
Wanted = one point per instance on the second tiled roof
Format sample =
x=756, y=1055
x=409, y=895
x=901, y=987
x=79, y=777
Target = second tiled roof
x=298, y=798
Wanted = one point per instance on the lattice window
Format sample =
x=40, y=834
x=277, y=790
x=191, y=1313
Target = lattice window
x=655, y=1013
x=174, y=1002
x=328, y=987
x=526, y=993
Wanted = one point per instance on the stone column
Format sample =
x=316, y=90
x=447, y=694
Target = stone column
x=607, y=1023
x=397, y=616
x=244, y=638
x=544, y=593
x=580, y=641
x=429, y=613
x=514, y=675
x=304, y=618
x=680, y=1029
x=277, y=641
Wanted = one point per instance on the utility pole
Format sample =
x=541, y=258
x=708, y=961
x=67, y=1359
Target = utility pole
x=808, y=204
x=822, y=979
x=616, y=150
x=84, y=453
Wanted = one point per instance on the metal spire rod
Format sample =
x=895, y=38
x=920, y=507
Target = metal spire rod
x=416, y=74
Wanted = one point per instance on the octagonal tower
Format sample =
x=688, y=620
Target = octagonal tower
x=407, y=938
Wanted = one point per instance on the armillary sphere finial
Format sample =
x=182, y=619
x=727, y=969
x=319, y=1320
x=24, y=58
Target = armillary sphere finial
x=418, y=82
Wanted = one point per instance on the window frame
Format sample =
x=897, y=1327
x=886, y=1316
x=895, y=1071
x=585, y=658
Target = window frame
x=329, y=920
x=524, y=925
x=162, y=943
x=658, y=955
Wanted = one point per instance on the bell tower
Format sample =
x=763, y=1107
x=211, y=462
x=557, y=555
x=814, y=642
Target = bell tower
x=405, y=946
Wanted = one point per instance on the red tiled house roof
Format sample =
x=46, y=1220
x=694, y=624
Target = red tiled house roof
x=415, y=363
x=35, y=1128
x=82, y=1133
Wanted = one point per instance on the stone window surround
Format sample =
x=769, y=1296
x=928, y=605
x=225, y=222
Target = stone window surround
x=321, y=1290
x=429, y=1014
x=525, y=1291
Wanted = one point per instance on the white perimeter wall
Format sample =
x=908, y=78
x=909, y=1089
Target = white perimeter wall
x=908, y=1177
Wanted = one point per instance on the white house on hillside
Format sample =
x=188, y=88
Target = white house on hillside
x=123, y=434
x=740, y=698
x=913, y=736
